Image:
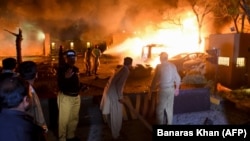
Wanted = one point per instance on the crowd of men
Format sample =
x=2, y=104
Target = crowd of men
x=21, y=115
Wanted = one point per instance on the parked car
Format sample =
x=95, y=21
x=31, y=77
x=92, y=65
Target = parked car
x=186, y=62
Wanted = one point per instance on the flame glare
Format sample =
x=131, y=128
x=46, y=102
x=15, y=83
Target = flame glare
x=175, y=39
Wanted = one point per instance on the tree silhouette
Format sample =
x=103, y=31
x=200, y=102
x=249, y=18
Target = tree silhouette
x=19, y=38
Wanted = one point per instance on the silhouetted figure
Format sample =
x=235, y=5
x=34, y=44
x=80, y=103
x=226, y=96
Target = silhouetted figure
x=88, y=61
x=96, y=52
x=9, y=66
x=16, y=124
x=61, y=64
x=28, y=71
x=19, y=38
x=61, y=59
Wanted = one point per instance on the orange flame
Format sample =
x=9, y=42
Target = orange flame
x=176, y=39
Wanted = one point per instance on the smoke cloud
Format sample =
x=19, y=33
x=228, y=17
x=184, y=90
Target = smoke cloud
x=88, y=20
x=94, y=17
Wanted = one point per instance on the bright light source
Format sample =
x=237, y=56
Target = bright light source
x=88, y=44
x=71, y=45
x=240, y=62
x=40, y=35
x=224, y=61
x=53, y=45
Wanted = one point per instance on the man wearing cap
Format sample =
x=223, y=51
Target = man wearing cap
x=167, y=80
x=68, y=99
x=112, y=98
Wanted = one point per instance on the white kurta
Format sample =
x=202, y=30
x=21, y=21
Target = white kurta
x=36, y=110
x=165, y=78
x=112, y=93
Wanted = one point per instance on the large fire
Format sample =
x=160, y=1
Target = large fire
x=175, y=39
x=32, y=43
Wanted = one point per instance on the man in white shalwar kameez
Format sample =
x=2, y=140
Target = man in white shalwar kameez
x=112, y=99
x=167, y=80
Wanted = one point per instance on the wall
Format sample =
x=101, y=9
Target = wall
x=232, y=45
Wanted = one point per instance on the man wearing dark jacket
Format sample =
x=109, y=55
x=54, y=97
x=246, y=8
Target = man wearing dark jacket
x=16, y=124
x=68, y=99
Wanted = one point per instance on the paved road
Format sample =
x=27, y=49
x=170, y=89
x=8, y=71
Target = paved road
x=92, y=128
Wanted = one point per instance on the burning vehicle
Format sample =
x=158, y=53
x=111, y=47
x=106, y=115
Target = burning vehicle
x=186, y=63
x=150, y=52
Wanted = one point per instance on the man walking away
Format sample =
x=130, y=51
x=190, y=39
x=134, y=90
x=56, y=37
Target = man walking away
x=167, y=80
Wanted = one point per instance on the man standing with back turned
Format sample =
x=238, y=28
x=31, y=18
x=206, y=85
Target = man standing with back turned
x=28, y=71
x=167, y=80
x=9, y=65
x=15, y=123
